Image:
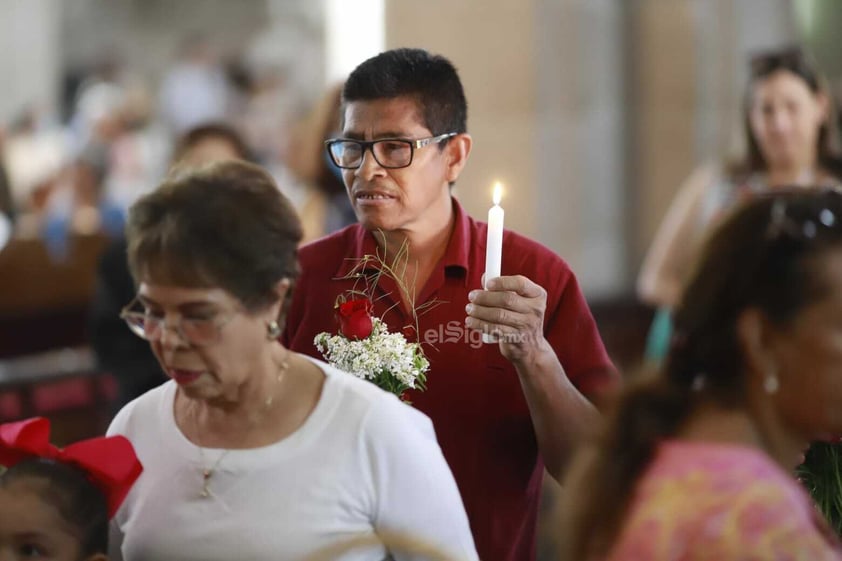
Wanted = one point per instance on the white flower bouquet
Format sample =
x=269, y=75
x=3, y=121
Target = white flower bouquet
x=386, y=359
x=364, y=346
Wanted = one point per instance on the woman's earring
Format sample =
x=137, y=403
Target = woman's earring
x=273, y=330
x=699, y=382
x=770, y=382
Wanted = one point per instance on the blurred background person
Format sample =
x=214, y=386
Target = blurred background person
x=697, y=461
x=194, y=90
x=318, y=191
x=80, y=179
x=98, y=94
x=117, y=350
x=262, y=109
x=36, y=151
x=210, y=142
x=791, y=138
x=138, y=156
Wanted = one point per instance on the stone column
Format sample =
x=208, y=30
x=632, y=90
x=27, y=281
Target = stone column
x=544, y=89
x=29, y=55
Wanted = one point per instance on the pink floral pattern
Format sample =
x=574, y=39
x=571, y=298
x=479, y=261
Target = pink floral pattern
x=702, y=501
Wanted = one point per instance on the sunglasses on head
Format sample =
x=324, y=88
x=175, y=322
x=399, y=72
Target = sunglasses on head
x=805, y=220
x=793, y=59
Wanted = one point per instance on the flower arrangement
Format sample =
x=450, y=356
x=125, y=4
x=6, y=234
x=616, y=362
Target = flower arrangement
x=364, y=346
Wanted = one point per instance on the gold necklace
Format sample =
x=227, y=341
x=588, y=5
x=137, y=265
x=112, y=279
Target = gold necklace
x=207, y=473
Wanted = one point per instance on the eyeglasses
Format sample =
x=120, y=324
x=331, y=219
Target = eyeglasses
x=197, y=331
x=390, y=153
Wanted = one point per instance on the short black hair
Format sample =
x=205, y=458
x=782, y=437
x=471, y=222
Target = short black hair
x=431, y=79
x=78, y=501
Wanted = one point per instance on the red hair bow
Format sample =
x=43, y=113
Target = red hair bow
x=109, y=461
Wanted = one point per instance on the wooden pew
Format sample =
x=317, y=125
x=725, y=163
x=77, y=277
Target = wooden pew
x=63, y=385
x=46, y=367
x=44, y=303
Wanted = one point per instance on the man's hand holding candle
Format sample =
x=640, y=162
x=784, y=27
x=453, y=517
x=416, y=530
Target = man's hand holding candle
x=512, y=309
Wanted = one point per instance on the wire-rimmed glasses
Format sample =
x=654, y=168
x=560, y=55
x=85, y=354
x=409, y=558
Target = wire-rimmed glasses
x=390, y=153
x=198, y=331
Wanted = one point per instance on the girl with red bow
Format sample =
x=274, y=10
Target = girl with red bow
x=56, y=503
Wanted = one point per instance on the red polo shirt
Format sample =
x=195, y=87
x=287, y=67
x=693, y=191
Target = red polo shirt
x=473, y=394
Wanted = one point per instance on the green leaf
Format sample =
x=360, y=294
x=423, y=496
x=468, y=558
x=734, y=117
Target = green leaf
x=821, y=475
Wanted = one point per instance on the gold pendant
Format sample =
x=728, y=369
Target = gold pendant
x=206, y=475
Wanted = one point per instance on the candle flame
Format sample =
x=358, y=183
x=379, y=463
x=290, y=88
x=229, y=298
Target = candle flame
x=498, y=193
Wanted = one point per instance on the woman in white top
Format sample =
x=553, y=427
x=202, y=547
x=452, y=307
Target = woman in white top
x=252, y=451
x=791, y=140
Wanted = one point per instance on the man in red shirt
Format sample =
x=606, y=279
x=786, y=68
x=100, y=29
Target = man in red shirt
x=501, y=411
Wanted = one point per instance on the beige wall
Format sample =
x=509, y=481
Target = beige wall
x=543, y=114
x=29, y=42
x=490, y=44
x=664, y=101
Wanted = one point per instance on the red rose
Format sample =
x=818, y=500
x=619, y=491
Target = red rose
x=355, y=319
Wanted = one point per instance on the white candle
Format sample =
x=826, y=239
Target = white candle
x=494, y=243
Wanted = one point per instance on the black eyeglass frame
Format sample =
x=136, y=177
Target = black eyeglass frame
x=368, y=145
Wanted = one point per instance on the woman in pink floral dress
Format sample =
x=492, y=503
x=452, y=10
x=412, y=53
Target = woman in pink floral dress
x=696, y=463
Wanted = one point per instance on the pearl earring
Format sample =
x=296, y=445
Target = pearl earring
x=273, y=330
x=699, y=382
x=770, y=383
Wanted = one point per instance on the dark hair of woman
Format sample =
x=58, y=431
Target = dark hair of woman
x=764, y=256
x=224, y=225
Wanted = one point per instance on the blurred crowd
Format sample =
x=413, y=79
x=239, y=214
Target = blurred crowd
x=80, y=173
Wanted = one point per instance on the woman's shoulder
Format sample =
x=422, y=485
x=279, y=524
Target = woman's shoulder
x=334, y=244
x=723, y=500
x=379, y=411
x=715, y=463
x=714, y=188
x=740, y=481
x=700, y=191
x=136, y=415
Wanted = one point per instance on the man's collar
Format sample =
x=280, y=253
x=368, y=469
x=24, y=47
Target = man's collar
x=362, y=243
x=456, y=254
x=458, y=248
